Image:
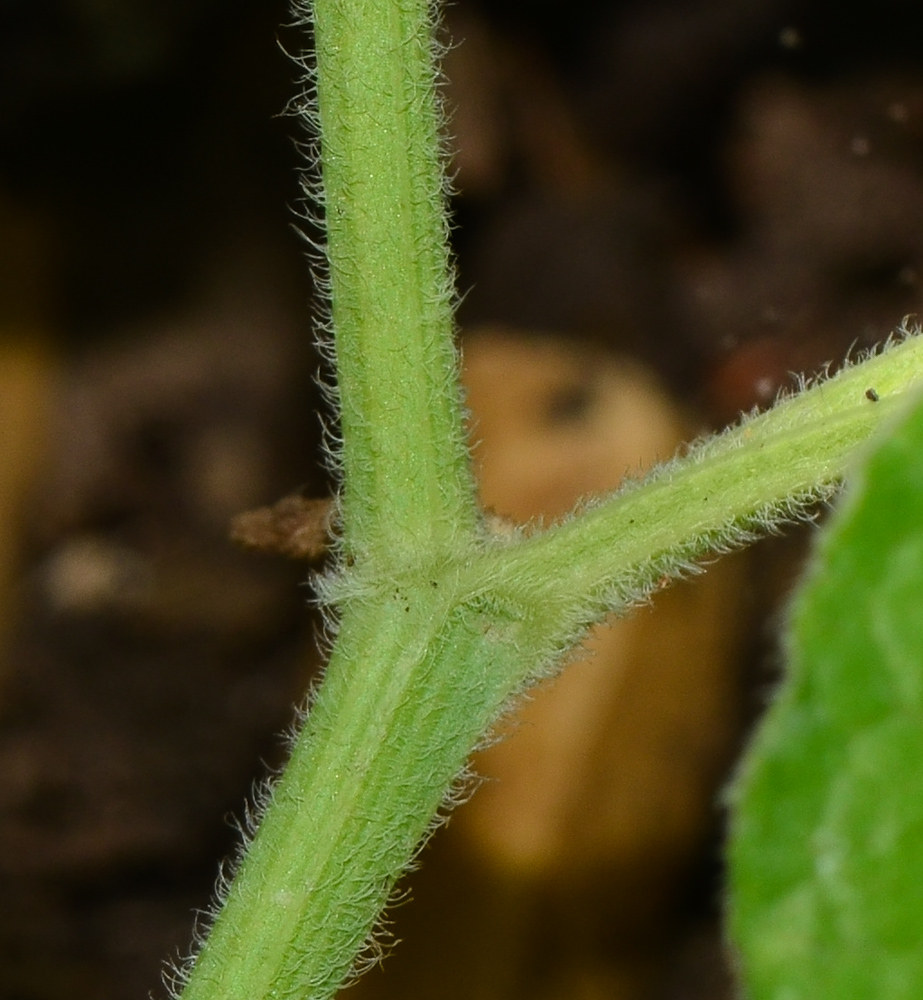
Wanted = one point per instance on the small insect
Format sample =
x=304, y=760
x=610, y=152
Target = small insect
x=871, y=395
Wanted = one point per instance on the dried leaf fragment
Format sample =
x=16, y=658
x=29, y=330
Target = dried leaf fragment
x=295, y=526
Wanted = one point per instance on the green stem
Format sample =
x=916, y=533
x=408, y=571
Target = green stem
x=746, y=481
x=388, y=734
x=438, y=628
x=426, y=659
x=407, y=483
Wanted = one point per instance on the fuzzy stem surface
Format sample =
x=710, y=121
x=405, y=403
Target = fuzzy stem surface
x=730, y=488
x=407, y=484
x=387, y=735
x=438, y=626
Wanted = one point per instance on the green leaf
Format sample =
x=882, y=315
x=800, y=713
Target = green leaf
x=826, y=858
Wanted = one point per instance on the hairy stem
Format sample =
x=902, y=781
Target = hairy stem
x=765, y=471
x=407, y=484
x=427, y=658
x=439, y=627
x=389, y=732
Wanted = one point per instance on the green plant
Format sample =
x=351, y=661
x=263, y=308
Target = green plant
x=439, y=624
x=828, y=847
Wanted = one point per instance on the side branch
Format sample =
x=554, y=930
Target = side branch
x=729, y=489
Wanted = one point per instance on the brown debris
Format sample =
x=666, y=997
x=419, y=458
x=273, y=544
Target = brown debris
x=296, y=527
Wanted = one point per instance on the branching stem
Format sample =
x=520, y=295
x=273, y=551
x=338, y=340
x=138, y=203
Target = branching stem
x=440, y=626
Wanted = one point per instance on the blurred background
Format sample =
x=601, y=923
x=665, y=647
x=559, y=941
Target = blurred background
x=663, y=208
